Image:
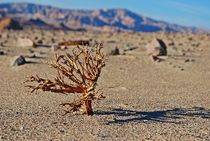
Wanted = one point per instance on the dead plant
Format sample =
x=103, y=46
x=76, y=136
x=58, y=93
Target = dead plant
x=77, y=73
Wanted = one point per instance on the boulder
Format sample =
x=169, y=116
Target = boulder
x=18, y=60
x=25, y=42
x=157, y=48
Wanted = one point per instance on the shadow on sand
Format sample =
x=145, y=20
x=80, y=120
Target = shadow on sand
x=175, y=115
x=32, y=62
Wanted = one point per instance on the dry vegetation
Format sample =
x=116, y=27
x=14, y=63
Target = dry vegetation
x=76, y=73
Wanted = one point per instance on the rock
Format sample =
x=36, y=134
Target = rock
x=25, y=42
x=129, y=47
x=171, y=43
x=54, y=47
x=53, y=40
x=40, y=41
x=18, y=60
x=30, y=51
x=2, y=52
x=157, y=48
x=187, y=60
x=30, y=55
x=112, y=51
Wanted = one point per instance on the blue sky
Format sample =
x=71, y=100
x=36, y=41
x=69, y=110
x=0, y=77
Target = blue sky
x=183, y=12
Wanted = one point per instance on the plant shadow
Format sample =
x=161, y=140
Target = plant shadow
x=176, y=115
x=32, y=62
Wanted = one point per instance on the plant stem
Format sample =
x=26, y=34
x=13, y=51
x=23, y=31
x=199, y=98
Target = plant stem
x=88, y=107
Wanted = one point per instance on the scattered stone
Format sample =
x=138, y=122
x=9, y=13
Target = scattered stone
x=21, y=128
x=129, y=47
x=187, y=60
x=25, y=42
x=190, y=38
x=196, y=44
x=123, y=88
x=2, y=52
x=53, y=40
x=40, y=41
x=30, y=51
x=180, y=44
x=170, y=63
x=156, y=48
x=54, y=47
x=112, y=51
x=63, y=47
x=36, y=38
x=18, y=60
x=188, y=49
x=171, y=43
x=62, y=131
x=192, y=60
x=30, y=55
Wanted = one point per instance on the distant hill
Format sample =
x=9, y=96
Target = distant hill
x=8, y=23
x=40, y=16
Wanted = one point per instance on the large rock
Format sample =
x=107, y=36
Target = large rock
x=18, y=60
x=156, y=48
x=25, y=42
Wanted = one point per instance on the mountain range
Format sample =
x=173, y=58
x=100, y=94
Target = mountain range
x=48, y=17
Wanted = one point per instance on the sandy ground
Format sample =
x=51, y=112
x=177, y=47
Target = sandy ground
x=169, y=100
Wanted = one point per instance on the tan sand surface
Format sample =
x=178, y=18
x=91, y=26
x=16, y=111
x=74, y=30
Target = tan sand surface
x=169, y=100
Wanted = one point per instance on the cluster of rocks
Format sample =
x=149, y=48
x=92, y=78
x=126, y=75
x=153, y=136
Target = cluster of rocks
x=114, y=44
x=19, y=42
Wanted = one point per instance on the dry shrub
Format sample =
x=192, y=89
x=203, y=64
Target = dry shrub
x=77, y=73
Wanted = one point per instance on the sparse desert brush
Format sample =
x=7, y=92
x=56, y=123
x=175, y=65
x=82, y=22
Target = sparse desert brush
x=77, y=73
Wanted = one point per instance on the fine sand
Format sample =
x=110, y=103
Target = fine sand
x=168, y=100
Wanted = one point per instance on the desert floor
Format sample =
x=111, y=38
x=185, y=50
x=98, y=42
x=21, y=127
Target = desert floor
x=169, y=100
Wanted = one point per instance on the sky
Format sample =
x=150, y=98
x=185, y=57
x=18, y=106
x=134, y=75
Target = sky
x=183, y=12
